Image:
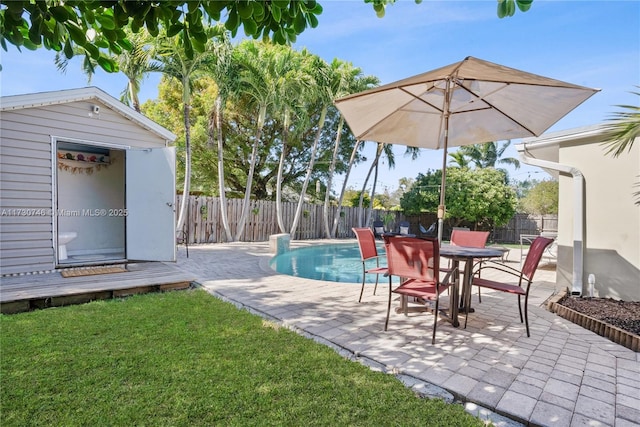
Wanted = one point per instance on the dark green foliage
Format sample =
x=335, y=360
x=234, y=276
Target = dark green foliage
x=541, y=199
x=424, y=194
x=352, y=198
x=478, y=196
x=508, y=7
x=49, y=24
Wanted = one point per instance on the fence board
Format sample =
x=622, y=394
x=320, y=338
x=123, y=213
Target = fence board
x=204, y=223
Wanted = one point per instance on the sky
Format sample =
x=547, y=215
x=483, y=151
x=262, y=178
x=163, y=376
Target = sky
x=588, y=43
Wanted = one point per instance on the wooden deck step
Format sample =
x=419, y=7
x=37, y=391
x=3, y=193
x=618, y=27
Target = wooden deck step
x=28, y=292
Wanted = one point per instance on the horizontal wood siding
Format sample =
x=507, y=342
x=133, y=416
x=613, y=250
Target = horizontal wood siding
x=26, y=236
x=74, y=121
x=26, y=230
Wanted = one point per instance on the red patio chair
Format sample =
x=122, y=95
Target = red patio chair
x=417, y=263
x=368, y=252
x=525, y=276
x=471, y=239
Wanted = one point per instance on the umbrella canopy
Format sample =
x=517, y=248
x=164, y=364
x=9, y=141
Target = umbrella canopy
x=469, y=102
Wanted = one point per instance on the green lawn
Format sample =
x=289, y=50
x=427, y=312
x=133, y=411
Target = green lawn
x=188, y=359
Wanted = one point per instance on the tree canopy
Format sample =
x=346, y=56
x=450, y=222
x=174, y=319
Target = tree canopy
x=98, y=26
x=542, y=199
x=424, y=194
x=239, y=124
x=479, y=196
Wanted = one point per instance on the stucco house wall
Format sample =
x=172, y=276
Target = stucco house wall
x=611, y=228
x=29, y=125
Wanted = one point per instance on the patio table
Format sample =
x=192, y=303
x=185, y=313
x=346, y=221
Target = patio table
x=468, y=255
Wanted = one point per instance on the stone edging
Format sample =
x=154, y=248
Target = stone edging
x=617, y=335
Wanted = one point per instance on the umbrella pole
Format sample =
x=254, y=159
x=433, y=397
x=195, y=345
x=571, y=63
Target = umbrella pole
x=441, y=207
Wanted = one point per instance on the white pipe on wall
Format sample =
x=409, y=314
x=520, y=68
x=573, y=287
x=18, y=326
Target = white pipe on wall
x=578, y=211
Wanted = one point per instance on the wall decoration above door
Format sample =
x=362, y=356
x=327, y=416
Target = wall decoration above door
x=82, y=162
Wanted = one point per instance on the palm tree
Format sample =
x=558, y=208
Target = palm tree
x=258, y=85
x=388, y=151
x=135, y=64
x=622, y=131
x=291, y=82
x=344, y=73
x=488, y=155
x=356, y=147
x=320, y=94
x=225, y=74
x=332, y=168
x=350, y=80
x=459, y=159
x=355, y=83
x=172, y=61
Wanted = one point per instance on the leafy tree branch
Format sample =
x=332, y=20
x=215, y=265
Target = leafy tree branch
x=99, y=26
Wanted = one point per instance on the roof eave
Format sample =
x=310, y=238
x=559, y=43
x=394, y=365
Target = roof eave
x=41, y=99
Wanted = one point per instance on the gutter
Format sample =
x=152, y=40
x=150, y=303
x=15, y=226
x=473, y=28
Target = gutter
x=578, y=208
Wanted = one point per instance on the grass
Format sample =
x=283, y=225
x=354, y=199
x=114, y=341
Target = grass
x=187, y=358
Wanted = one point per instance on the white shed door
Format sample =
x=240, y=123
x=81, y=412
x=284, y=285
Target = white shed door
x=150, y=188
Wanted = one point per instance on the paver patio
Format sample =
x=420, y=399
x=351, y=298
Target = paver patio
x=563, y=375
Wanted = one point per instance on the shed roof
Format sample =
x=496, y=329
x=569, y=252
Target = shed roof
x=40, y=99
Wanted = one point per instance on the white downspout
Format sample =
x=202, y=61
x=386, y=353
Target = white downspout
x=578, y=211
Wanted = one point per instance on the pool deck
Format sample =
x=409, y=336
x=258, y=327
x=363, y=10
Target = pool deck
x=563, y=375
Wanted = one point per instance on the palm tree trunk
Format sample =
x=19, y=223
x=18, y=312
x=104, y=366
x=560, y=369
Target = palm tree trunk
x=364, y=186
x=187, y=168
x=373, y=190
x=332, y=168
x=221, y=181
x=283, y=155
x=252, y=167
x=312, y=160
x=133, y=95
x=336, y=218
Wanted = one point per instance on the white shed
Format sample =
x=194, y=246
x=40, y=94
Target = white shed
x=84, y=179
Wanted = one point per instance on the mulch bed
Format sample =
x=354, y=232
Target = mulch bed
x=621, y=314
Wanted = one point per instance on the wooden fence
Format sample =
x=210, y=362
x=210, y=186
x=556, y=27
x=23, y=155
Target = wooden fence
x=204, y=225
x=525, y=224
x=521, y=223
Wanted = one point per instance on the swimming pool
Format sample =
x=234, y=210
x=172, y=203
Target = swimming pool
x=336, y=262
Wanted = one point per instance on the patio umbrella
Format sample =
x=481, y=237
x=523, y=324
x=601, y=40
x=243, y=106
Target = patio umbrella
x=468, y=102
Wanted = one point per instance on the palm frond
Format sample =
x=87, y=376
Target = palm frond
x=622, y=130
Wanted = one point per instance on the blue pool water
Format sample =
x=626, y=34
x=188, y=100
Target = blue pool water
x=332, y=262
